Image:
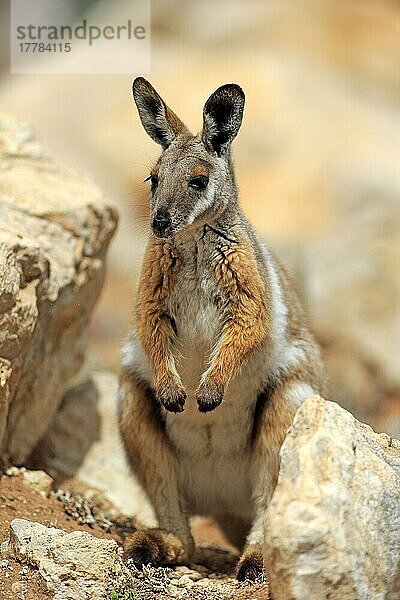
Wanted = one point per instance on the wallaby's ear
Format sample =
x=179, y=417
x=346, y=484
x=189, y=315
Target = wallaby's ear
x=160, y=122
x=222, y=117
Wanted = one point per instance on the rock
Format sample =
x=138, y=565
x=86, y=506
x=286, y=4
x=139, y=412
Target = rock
x=190, y=573
x=83, y=441
x=18, y=587
x=4, y=549
x=39, y=481
x=332, y=529
x=15, y=471
x=73, y=565
x=55, y=227
x=185, y=581
x=355, y=310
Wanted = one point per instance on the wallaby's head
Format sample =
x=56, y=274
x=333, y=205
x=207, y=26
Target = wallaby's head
x=193, y=178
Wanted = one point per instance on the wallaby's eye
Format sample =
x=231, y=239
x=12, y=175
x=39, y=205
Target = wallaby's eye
x=154, y=181
x=199, y=183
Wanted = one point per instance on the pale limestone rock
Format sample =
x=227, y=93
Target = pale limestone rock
x=332, y=529
x=55, y=227
x=73, y=565
x=39, y=481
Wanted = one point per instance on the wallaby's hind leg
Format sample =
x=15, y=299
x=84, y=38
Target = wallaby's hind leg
x=234, y=528
x=153, y=461
x=273, y=420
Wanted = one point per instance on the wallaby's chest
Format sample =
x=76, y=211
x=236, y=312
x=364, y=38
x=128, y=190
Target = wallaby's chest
x=212, y=448
x=194, y=301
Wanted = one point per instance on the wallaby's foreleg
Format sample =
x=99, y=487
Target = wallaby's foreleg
x=247, y=319
x=154, y=462
x=155, y=327
x=270, y=430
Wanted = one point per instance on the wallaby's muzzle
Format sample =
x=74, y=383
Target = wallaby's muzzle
x=162, y=224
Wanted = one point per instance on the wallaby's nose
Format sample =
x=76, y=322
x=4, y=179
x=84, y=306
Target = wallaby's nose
x=161, y=222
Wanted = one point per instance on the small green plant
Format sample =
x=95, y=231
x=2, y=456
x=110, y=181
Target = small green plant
x=127, y=594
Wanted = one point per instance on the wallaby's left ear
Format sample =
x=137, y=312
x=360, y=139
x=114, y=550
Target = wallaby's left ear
x=159, y=121
x=222, y=117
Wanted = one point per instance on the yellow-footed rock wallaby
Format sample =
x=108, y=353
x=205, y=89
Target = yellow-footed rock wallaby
x=220, y=356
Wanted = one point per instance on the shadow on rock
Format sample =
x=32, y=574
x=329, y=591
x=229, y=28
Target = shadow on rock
x=76, y=426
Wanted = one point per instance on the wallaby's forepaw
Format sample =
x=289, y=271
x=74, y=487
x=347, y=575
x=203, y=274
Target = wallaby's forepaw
x=172, y=398
x=208, y=398
x=251, y=564
x=155, y=546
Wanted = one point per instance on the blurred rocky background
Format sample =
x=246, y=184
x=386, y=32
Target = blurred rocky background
x=317, y=162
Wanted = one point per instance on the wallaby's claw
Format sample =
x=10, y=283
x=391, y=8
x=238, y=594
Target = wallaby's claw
x=172, y=400
x=208, y=398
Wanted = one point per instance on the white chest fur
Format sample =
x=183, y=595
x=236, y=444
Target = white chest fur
x=193, y=306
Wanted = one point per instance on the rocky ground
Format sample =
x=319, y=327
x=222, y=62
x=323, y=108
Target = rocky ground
x=32, y=509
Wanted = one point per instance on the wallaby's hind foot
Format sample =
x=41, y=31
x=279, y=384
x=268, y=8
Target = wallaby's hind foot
x=156, y=546
x=251, y=564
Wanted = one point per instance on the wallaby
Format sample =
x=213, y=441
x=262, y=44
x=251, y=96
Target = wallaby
x=220, y=357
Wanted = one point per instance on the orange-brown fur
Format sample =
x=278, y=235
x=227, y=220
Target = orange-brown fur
x=154, y=325
x=199, y=170
x=247, y=322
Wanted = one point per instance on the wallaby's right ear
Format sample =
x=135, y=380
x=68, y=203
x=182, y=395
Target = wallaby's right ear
x=159, y=121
